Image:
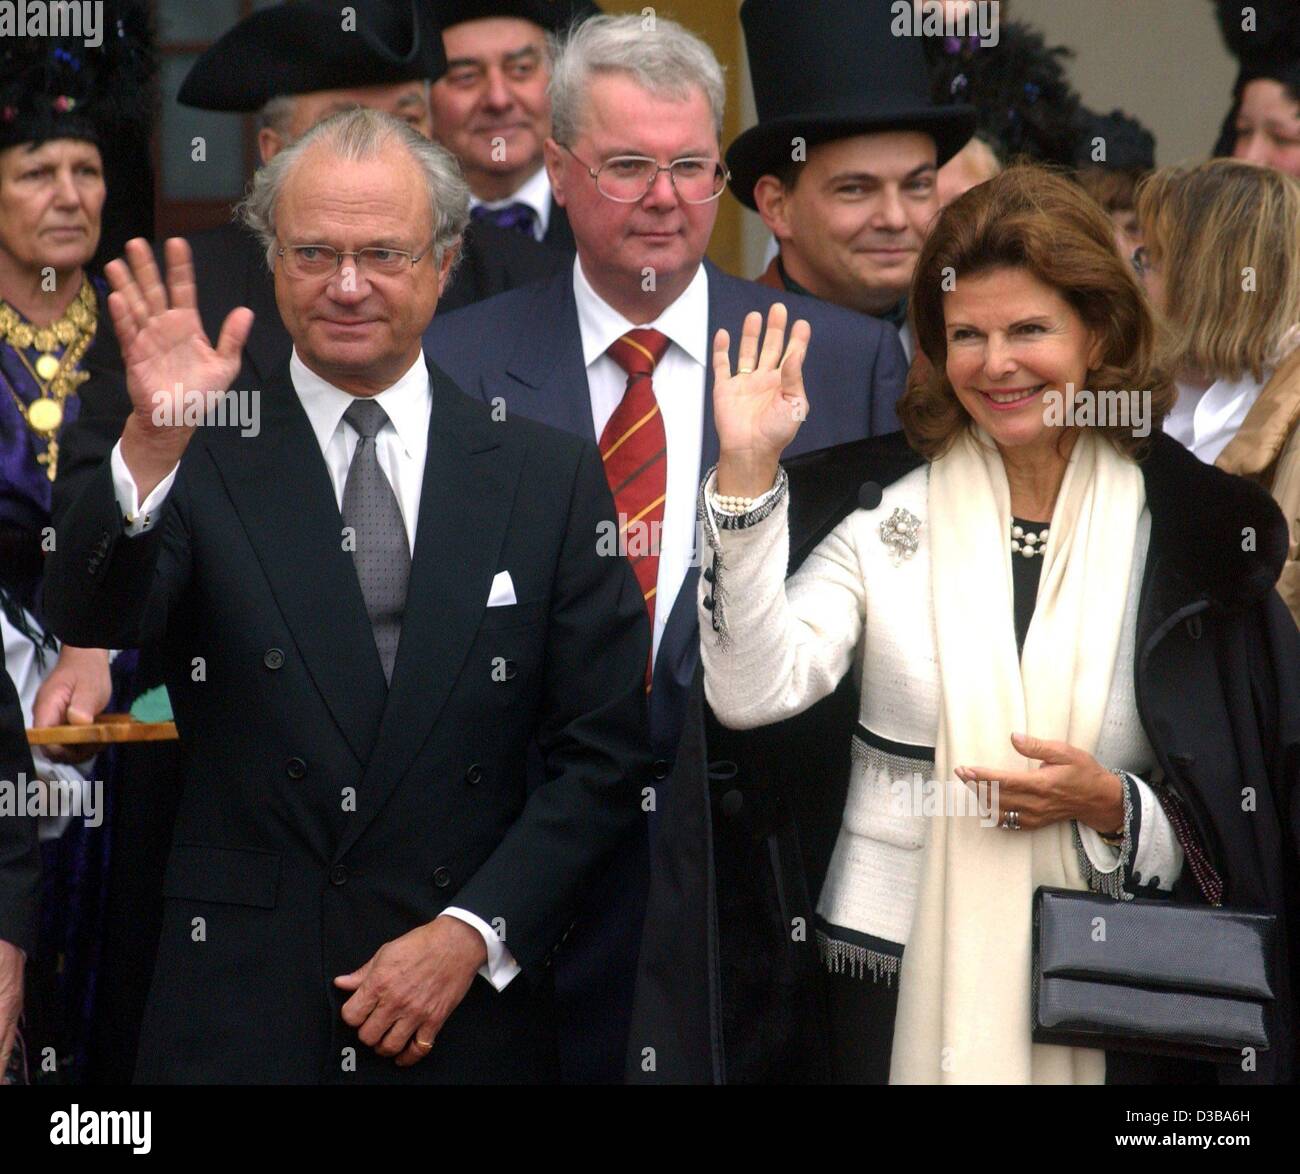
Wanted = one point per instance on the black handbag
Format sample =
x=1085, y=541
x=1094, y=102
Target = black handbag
x=1193, y=981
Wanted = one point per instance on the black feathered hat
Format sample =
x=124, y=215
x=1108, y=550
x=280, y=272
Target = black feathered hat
x=1129, y=145
x=309, y=45
x=1025, y=105
x=829, y=74
x=553, y=15
x=60, y=88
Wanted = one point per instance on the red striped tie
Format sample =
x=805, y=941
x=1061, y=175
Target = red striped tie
x=635, y=450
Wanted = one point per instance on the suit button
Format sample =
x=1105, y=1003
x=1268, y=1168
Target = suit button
x=659, y=768
x=273, y=658
x=708, y=574
x=708, y=603
x=732, y=802
x=338, y=875
x=295, y=768
x=474, y=774
x=441, y=877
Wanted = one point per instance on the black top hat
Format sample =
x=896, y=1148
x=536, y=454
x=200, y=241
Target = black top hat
x=828, y=71
x=309, y=45
x=553, y=15
x=60, y=88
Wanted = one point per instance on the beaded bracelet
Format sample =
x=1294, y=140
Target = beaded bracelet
x=730, y=504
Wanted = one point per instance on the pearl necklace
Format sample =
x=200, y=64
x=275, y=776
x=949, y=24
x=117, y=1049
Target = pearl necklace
x=1027, y=544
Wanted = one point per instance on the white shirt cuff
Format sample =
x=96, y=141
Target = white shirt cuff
x=501, y=967
x=139, y=516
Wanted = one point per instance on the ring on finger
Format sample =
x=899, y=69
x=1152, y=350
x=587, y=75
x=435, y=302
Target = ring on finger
x=419, y=1043
x=1011, y=821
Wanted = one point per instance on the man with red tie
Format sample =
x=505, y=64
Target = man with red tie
x=618, y=349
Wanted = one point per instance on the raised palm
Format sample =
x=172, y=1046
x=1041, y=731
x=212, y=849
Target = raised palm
x=168, y=357
x=758, y=410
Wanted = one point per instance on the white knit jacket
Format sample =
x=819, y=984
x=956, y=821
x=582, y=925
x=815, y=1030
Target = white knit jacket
x=779, y=646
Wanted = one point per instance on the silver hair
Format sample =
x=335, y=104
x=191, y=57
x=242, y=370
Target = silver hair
x=659, y=55
x=361, y=134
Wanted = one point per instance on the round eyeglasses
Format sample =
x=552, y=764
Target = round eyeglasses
x=627, y=179
x=308, y=261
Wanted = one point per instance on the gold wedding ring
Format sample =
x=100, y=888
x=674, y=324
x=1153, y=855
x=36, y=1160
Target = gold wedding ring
x=419, y=1043
x=744, y=370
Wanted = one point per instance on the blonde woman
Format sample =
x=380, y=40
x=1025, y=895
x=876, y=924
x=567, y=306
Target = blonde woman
x=1222, y=265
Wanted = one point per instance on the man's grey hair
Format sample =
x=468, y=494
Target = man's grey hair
x=276, y=114
x=659, y=55
x=362, y=134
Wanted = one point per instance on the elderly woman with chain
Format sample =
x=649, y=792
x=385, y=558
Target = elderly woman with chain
x=59, y=102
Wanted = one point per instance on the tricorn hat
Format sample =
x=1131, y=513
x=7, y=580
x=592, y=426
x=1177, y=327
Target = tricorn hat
x=309, y=45
x=828, y=71
x=553, y=15
x=62, y=88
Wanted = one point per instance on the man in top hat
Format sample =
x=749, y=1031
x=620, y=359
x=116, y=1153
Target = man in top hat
x=618, y=350
x=491, y=109
x=843, y=163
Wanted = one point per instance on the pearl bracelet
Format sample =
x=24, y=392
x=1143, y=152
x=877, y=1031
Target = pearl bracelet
x=730, y=504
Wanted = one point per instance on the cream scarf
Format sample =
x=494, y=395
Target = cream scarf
x=964, y=999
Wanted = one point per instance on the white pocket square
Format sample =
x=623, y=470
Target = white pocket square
x=503, y=591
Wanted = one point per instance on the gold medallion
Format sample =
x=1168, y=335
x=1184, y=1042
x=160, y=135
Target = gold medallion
x=45, y=415
x=47, y=367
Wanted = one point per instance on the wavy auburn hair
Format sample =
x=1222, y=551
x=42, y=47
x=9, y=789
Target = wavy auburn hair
x=1033, y=219
x=1205, y=226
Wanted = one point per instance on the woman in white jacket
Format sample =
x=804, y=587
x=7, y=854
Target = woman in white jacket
x=987, y=607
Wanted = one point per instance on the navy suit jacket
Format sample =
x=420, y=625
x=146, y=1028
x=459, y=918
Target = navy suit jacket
x=525, y=347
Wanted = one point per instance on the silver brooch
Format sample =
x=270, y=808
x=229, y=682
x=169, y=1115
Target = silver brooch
x=898, y=532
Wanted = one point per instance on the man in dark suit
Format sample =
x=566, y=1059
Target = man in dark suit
x=372, y=602
x=559, y=355
x=289, y=70
x=492, y=111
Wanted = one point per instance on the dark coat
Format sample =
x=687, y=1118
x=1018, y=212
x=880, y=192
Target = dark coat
x=725, y=995
x=291, y=714
x=20, y=858
x=559, y=233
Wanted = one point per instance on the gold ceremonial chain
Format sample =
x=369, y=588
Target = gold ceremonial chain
x=55, y=378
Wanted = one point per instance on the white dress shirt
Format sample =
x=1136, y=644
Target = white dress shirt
x=536, y=193
x=679, y=390
x=400, y=446
x=1205, y=420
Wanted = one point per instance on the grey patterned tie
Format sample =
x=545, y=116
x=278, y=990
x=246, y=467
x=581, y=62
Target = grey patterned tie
x=382, y=553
